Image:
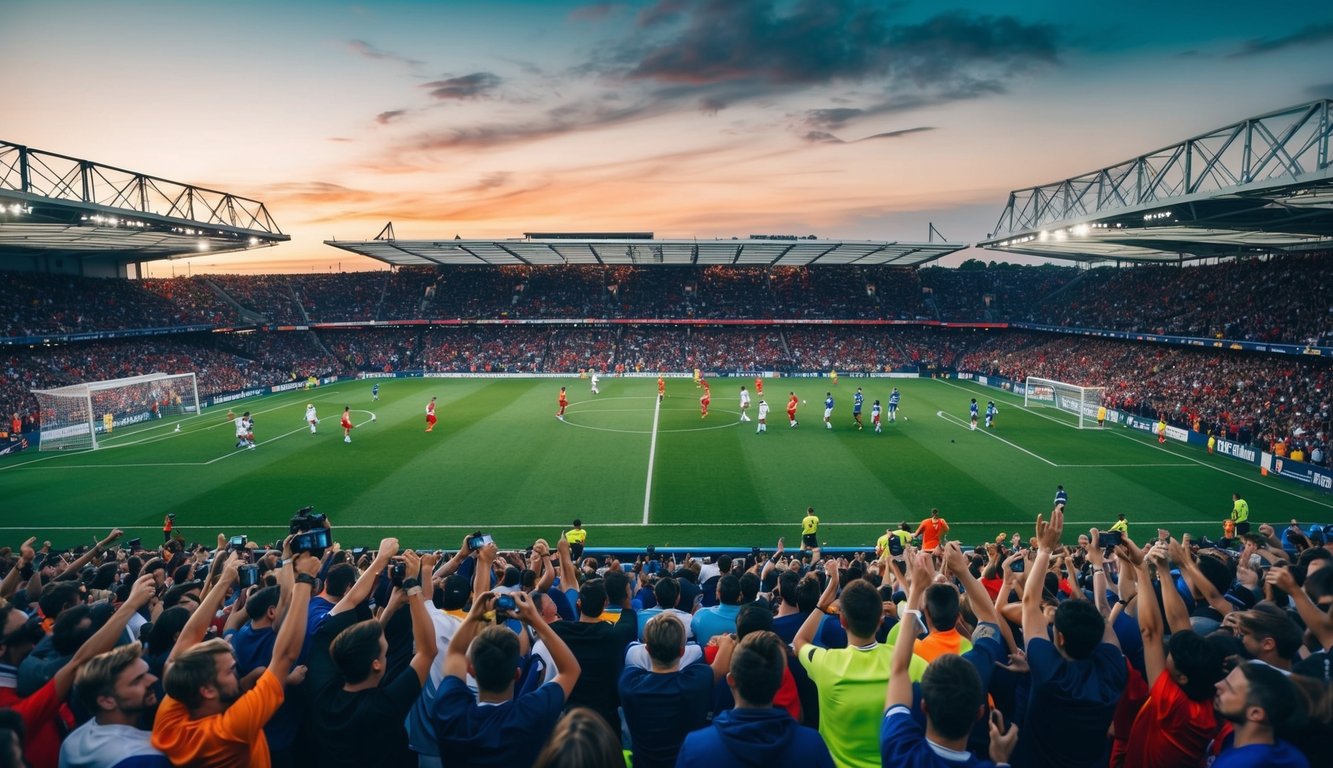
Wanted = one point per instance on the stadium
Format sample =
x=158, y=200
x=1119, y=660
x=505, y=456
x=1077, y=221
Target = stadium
x=586, y=415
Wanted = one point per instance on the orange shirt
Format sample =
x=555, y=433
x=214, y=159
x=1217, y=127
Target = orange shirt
x=936, y=644
x=930, y=531
x=661, y=385
x=563, y=400
x=231, y=738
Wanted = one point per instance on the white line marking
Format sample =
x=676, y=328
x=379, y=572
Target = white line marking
x=967, y=425
x=652, y=457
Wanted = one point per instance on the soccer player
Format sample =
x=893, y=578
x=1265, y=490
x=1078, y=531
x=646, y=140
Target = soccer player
x=874, y=416
x=704, y=400
x=991, y=410
x=1101, y=415
x=245, y=436
x=594, y=383
x=858, y=400
x=661, y=388
x=1161, y=429
x=563, y=402
x=576, y=536
x=894, y=397
x=698, y=378
x=310, y=417
x=972, y=412
x=430, y=415
x=347, y=424
x=758, y=386
x=763, y=417
x=832, y=374
x=1061, y=497
x=1121, y=525
x=791, y=409
x=745, y=404
x=828, y=410
x=809, y=529
x=375, y=391
x=932, y=531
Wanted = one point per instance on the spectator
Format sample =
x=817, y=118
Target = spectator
x=117, y=688
x=1259, y=702
x=719, y=619
x=495, y=728
x=205, y=717
x=600, y=650
x=581, y=739
x=667, y=594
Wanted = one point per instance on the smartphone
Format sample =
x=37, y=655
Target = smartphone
x=1017, y=566
x=505, y=605
x=895, y=546
x=249, y=575
x=1110, y=539
x=475, y=543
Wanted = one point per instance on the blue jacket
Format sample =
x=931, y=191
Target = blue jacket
x=764, y=738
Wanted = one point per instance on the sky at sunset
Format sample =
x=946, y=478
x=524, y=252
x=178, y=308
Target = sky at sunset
x=688, y=118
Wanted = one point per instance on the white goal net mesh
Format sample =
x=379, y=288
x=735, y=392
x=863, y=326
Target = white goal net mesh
x=82, y=416
x=1080, y=404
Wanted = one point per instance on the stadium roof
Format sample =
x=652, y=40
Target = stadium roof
x=640, y=248
x=1261, y=185
x=55, y=205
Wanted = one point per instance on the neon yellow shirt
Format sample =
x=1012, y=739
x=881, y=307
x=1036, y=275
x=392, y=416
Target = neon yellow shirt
x=809, y=525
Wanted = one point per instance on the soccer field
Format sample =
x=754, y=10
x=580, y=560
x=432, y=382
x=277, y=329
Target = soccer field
x=636, y=473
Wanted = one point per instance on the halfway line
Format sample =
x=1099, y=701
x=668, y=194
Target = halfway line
x=652, y=456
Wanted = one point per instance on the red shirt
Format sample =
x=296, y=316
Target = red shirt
x=1171, y=730
x=40, y=713
x=347, y=423
x=791, y=404
x=563, y=400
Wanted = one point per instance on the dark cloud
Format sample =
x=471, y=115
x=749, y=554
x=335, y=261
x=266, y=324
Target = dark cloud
x=474, y=86
x=365, y=49
x=595, y=11
x=384, y=118
x=493, y=180
x=566, y=118
x=832, y=118
x=1311, y=34
x=823, y=41
x=824, y=137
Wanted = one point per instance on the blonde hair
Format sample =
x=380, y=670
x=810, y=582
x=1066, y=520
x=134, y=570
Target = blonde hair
x=194, y=669
x=581, y=739
x=97, y=677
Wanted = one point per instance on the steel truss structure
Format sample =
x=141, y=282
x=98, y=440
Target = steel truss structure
x=642, y=249
x=1261, y=185
x=56, y=205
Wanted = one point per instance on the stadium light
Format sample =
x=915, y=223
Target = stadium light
x=203, y=245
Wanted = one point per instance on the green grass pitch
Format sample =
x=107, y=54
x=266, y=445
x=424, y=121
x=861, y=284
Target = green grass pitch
x=500, y=461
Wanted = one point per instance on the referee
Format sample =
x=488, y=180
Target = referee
x=809, y=529
x=1240, y=514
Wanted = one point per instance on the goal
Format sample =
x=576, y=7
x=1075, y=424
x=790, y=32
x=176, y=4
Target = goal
x=75, y=416
x=1080, y=403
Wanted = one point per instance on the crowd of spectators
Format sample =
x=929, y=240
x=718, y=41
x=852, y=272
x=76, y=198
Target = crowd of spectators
x=1054, y=649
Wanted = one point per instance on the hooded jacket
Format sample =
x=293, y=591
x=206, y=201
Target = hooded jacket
x=767, y=738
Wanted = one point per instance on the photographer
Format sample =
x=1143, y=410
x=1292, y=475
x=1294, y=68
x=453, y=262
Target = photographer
x=348, y=661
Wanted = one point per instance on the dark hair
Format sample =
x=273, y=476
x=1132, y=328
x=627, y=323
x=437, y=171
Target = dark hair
x=750, y=585
x=1265, y=621
x=1200, y=661
x=724, y=564
x=667, y=592
x=862, y=610
x=729, y=590
x=1217, y=573
x=513, y=576
x=494, y=656
x=1082, y=627
x=257, y=605
x=356, y=648
x=951, y=689
x=942, y=606
x=581, y=739
x=617, y=587
x=757, y=665
x=1275, y=694
x=1320, y=583
x=592, y=598
x=753, y=618
x=339, y=579
x=106, y=576
x=454, y=593
x=787, y=583
x=807, y=594
x=168, y=625
x=56, y=596
x=173, y=596
x=67, y=636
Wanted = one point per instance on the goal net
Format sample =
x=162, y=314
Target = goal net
x=1079, y=403
x=77, y=416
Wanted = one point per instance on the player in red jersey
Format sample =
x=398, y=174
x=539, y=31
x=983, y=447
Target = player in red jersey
x=705, y=400
x=758, y=386
x=791, y=409
x=430, y=415
x=564, y=403
x=661, y=388
x=347, y=424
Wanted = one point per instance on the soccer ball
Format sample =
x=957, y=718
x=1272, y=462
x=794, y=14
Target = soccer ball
x=803, y=402
x=372, y=417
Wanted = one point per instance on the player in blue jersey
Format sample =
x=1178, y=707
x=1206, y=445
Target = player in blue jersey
x=972, y=411
x=894, y=397
x=991, y=410
x=375, y=391
x=858, y=400
x=828, y=410
x=1061, y=497
x=874, y=417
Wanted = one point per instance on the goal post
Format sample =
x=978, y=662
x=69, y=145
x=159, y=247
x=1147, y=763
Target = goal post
x=1081, y=403
x=74, y=417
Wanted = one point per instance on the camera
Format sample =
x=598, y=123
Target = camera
x=505, y=605
x=1017, y=566
x=314, y=542
x=1109, y=539
x=238, y=543
x=249, y=575
x=134, y=545
x=397, y=572
x=478, y=540
x=305, y=519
